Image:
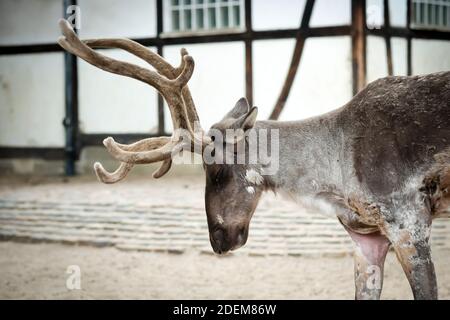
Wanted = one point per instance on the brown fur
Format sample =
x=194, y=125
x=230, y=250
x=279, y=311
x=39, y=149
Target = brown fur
x=436, y=184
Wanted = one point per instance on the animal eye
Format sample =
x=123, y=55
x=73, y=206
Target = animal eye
x=219, y=175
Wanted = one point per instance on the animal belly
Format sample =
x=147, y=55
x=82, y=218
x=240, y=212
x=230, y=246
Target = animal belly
x=357, y=222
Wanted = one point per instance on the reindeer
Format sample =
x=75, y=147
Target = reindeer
x=380, y=163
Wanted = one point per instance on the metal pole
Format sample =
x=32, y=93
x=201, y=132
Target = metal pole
x=70, y=121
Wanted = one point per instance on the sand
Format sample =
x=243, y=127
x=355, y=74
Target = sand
x=38, y=271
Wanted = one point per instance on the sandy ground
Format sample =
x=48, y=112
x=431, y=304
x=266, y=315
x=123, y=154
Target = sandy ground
x=38, y=271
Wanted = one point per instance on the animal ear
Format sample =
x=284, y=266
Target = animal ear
x=241, y=125
x=241, y=108
x=247, y=121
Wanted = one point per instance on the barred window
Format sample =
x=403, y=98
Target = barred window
x=431, y=14
x=204, y=15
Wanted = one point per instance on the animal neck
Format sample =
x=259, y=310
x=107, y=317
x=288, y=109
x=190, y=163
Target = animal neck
x=310, y=158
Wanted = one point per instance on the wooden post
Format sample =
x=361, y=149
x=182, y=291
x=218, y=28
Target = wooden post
x=248, y=53
x=408, y=38
x=70, y=121
x=159, y=48
x=359, y=63
x=387, y=37
x=295, y=61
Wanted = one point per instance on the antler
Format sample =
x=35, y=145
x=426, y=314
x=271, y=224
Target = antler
x=171, y=82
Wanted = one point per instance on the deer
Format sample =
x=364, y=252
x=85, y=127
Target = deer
x=380, y=164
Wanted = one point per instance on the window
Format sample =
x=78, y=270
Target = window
x=204, y=15
x=431, y=14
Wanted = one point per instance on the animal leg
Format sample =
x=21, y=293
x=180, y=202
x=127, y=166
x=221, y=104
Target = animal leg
x=415, y=257
x=369, y=256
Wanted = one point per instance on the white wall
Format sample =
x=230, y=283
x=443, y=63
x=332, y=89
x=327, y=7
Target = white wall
x=427, y=56
x=113, y=103
x=376, y=58
x=35, y=21
x=26, y=22
x=287, y=14
x=118, y=18
x=399, y=56
x=430, y=56
x=32, y=100
x=397, y=12
x=323, y=81
x=32, y=86
x=331, y=13
x=218, y=80
x=280, y=14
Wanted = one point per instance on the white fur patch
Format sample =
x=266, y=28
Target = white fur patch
x=319, y=205
x=250, y=190
x=311, y=203
x=252, y=176
x=219, y=219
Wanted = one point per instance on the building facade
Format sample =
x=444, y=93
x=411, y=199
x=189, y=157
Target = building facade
x=237, y=53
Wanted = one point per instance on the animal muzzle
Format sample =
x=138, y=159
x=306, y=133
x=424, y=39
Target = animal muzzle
x=226, y=239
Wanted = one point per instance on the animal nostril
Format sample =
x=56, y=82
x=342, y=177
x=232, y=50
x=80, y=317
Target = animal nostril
x=242, y=232
x=218, y=236
x=242, y=236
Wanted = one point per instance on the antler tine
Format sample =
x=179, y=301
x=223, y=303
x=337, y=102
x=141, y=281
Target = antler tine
x=169, y=81
x=124, y=168
x=159, y=63
x=161, y=66
x=187, y=97
x=145, y=144
x=142, y=157
x=155, y=60
x=112, y=177
x=163, y=169
x=71, y=43
x=186, y=74
x=133, y=47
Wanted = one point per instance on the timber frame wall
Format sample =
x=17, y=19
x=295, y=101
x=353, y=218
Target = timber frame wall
x=358, y=30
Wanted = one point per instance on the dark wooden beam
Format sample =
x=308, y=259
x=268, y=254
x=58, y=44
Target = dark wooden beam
x=197, y=39
x=248, y=53
x=387, y=38
x=249, y=71
x=242, y=36
x=160, y=51
x=70, y=120
x=408, y=38
x=30, y=48
x=409, y=33
x=359, y=44
x=307, y=33
x=32, y=152
x=295, y=61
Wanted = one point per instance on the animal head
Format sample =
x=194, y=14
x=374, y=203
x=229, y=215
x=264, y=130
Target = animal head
x=232, y=188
